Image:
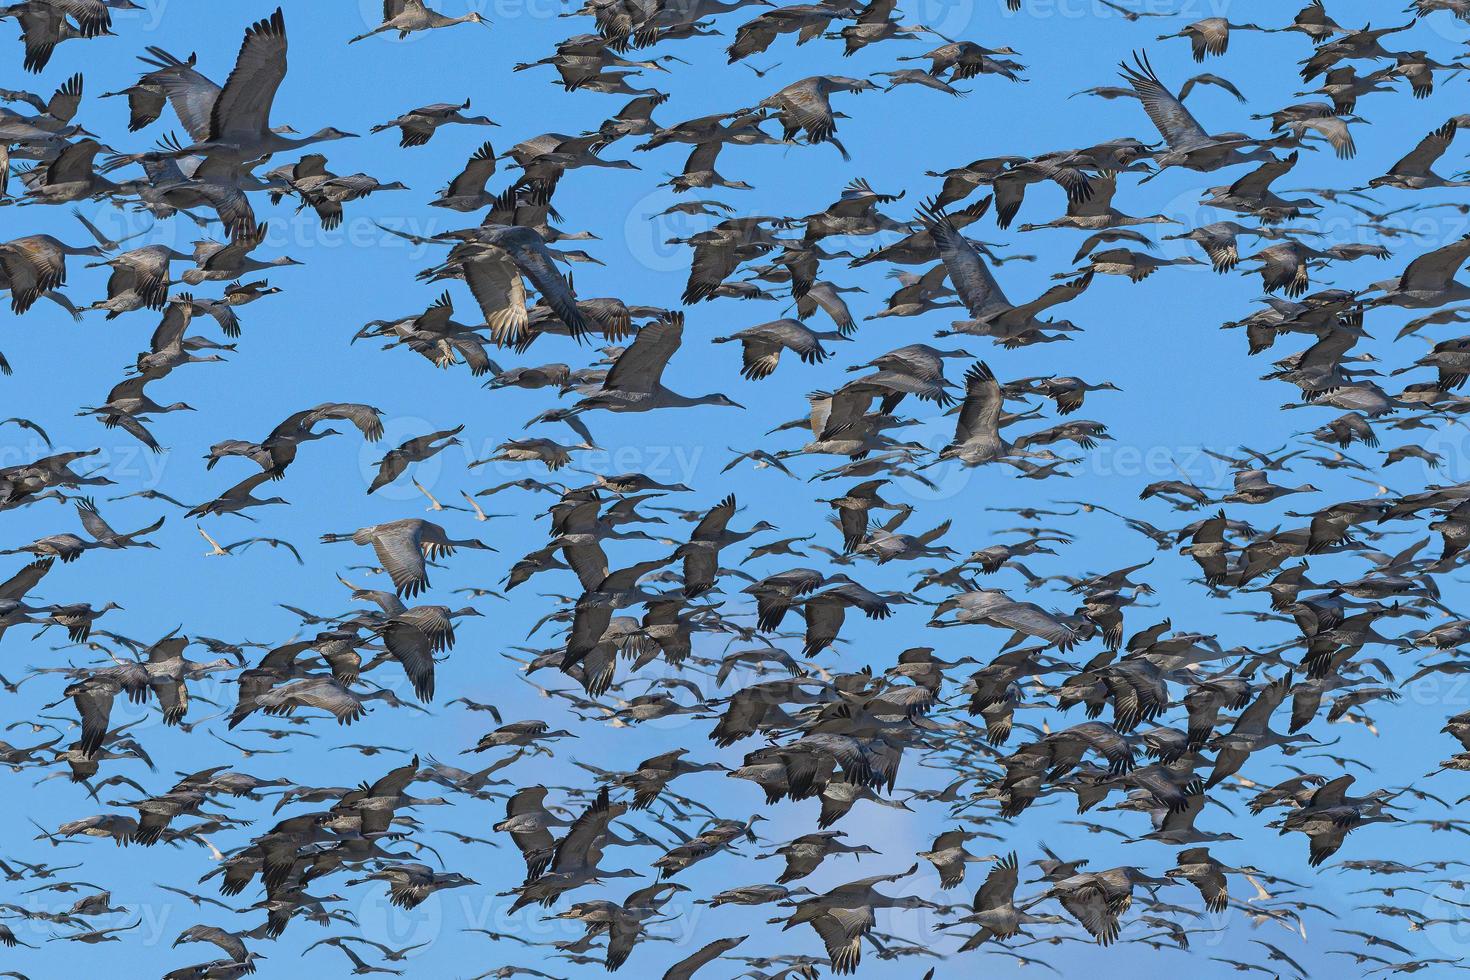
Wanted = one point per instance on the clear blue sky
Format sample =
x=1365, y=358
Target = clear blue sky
x=1186, y=383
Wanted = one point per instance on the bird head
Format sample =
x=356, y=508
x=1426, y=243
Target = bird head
x=724, y=401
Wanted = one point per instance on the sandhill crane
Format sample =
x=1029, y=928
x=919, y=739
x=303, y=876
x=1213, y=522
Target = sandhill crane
x=70, y=547
x=843, y=916
x=408, y=16
x=804, y=107
x=806, y=20
x=148, y=96
x=278, y=449
x=403, y=546
x=218, y=550
x=226, y=261
x=763, y=343
x=237, y=499
x=551, y=454
x=699, y=171
x=46, y=23
x=1429, y=280
x=35, y=265
x=875, y=22
x=701, y=553
x=1313, y=21
x=1412, y=172
x=53, y=115
x=397, y=460
x=466, y=192
x=1097, y=211
x=827, y=297
x=582, y=60
x=239, y=119
x=1251, y=194
x=720, y=250
x=1203, y=78
x=494, y=258
x=1218, y=241
x=917, y=76
x=994, y=315
x=1344, y=86
x=968, y=60
x=325, y=192
x=1189, y=145
x=144, y=272
x=1212, y=35
x=1364, y=44
x=435, y=336
x=126, y=406
x=417, y=126
x=635, y=383
x=68, y=177
x=1137, y=266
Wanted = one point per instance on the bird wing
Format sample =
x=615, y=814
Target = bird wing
x=1089, y=906
x=980, y=411
x=1255, y=183
x=573, y=850
x=640, y=367
x=999, y=887
x=93, y=522
x=702, y=157
x=1435, y=270
x=191, y=95
x=495, y=281
x=808, y=105
x=319, y=692
x=589, y=561
x=1174, y=122
x=712, y=526
x=412, y=648
x=92, y=16
x=534, y=260
x=25, y=580
x=841, y=931
x=1251, y=480
x=1255, y=717
x=74, y=163
x=471, y=180
x=1025, y=617
x=400, y=554
x=968, y=273
x=367, y=419
x=712, y=262
x=1430, y=148
x=1056, y=295
x=93, y=700
x=242, y=110
x=33, y=265
x=687, y=967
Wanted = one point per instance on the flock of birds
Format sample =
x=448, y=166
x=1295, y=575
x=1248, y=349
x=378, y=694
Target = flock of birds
x=682, y=604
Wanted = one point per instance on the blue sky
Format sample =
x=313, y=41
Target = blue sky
x=1186, y=384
